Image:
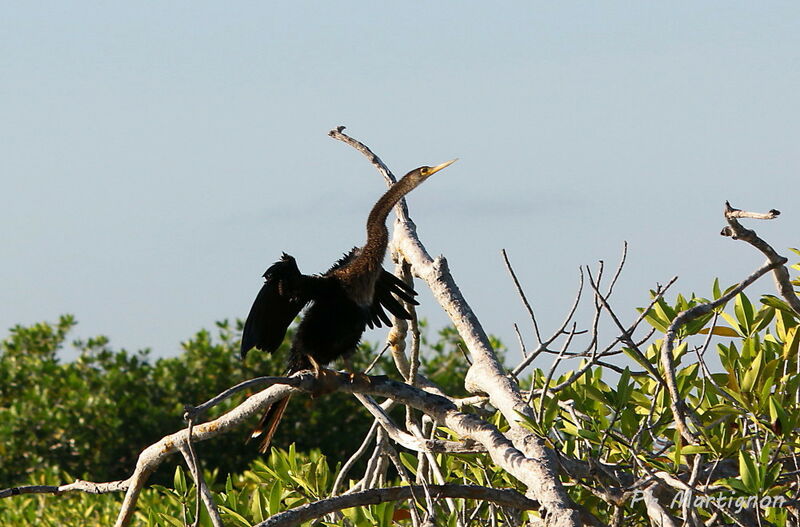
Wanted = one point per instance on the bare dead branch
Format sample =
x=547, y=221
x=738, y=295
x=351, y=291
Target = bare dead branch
x=657, y=514
x=372, y=464
x=406, y=478
x=338, y=134
x=731, y=212
x=88, y=487
x=203, y=493
x=194, y=412
x=560, y=331
x=486, y=375
x=618, y=272
x=550, y=374
x=502, y=451
x=736, y=231
x=376, y=359
x=441, y=409
x=626, y=335
x=194, y=468
x=520, y=453
x=677, y=404
x=408, y=440
x=152, y=456
x=354, y=458
x=522, y=349
x=307, y=512
x=522, y=296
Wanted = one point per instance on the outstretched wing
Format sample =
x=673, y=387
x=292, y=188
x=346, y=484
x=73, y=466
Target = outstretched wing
x=281, y=298
x=387, y=287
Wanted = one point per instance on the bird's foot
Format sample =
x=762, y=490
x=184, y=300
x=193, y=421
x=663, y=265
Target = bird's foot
x=327, y=382
x=364, y=379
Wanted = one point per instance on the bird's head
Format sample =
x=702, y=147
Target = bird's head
x=422, y=173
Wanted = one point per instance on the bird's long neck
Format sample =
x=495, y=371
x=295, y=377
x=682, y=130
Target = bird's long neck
x=374, y=250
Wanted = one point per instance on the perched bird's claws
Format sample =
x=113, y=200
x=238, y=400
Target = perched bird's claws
x=327, y=382
x=359, y=378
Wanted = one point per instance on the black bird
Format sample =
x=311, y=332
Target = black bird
x=343, y=301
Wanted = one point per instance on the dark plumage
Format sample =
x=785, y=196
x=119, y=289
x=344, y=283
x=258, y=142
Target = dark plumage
x=354, y=293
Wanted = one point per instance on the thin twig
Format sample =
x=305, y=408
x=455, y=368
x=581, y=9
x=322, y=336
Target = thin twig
x=619, y=269
x=203, y=493
x=376, y=359
x=194, y=412
x=550, y=374
x=677, y=404
x=405, y=476
x=560, y=331
x=354, y=458
x=194, y=466
x=627, y=334
x=521, y=341
x=521, y=294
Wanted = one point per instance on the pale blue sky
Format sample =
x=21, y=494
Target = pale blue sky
x=157, y=157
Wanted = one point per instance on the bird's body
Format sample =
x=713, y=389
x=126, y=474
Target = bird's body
x=341, y=302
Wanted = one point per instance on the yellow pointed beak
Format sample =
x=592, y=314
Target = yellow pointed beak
x=437, y=168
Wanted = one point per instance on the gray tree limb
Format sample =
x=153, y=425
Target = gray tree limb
x=310, y=511
x=737, y=232
x=486, y=374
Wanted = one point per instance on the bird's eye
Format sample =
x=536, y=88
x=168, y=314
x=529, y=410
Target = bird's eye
x=424, y=171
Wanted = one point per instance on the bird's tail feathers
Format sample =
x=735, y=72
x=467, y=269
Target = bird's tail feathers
x=269, y=424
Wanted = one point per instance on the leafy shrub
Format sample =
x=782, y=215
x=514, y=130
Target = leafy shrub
x=92, y=416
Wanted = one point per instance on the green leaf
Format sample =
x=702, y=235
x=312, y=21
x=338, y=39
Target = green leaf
x=791, y=344
x=695, y=449
x=763, y=318
x=679, y=351
x=551, y=410
x=779, y=415
x=660, y=315
x=715, y=289
x=594, y=393
x=624, y=388
x=569, y=427
x=772, y=476
x=693, y=327
x=256, y=509
x=275, y=496
x=744, y=312
x=686, y=377
x=172, y=520
x=410, y=461
x=750, y=376
x=179, y=480
x=748, y=473
x=234, y=515
x=633, y=355
x=722, y=331
x=776, y=303
x=292, y=457
x=736, y=484
x=589, y=434
x=387, y=513
x=784, y=321
x=733, y=322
